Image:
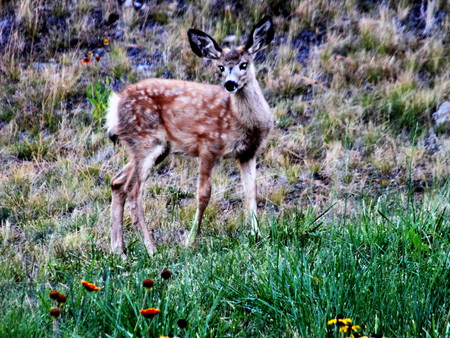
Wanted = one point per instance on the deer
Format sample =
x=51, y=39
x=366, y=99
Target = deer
x=155, y=117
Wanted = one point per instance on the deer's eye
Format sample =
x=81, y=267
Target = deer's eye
x=221, y=68
x=243, y=66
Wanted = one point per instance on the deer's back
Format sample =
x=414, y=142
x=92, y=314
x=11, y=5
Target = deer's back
x=194, y=118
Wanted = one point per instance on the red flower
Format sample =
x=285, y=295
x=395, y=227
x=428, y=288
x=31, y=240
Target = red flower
x=55, y=312
x=149, y=313
x=61, y=299
x=54, y=294
x=166, y=274
x=86, y=61
x=90, y=287
x=147, y=283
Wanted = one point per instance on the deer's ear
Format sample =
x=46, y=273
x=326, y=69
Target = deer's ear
x=203, y=45
x=261, y=35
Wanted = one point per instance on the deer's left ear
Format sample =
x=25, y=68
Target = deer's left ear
x=203, y=45
x=261, y=35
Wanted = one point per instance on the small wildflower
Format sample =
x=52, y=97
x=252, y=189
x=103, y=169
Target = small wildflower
x=168, y=336
x=97, y=57
x=182, y=323
x=105, y=42
x=149, y=313
x=61, y=299
x=339, y=321
x=54, y=294
x=377, y=335
x=349, y=328
x=90, y=287
x=86, y=61
x=147, y=283
x=166, y=274
x=357, y=335
x=55, y=312
x=90, y=53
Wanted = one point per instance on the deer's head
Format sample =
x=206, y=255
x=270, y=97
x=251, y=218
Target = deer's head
x=235, y=64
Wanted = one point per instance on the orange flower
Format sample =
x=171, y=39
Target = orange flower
x=149, y=313
x=105, y=42
x=166, y=274
x=86, y=61
x=55, y=312
x=90, y=53
x=90, y=287
x=147, y=283
x=54, y=294
x=61, y=299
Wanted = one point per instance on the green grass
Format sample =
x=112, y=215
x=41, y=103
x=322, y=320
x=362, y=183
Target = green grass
x=386, y=267
x=353, y=86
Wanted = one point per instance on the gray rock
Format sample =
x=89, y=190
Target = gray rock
x=431, y=143
x=442, y=115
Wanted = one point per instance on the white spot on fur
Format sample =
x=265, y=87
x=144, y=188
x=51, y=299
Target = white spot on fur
x=185, y=99
x=112, y=115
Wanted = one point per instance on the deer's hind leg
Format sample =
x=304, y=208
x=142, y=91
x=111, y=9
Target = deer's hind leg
x=119, y=196
x=148, y=157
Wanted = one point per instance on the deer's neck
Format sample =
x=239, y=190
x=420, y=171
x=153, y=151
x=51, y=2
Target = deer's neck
x=251, y=108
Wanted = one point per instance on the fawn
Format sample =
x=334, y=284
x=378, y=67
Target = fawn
x=156, y=116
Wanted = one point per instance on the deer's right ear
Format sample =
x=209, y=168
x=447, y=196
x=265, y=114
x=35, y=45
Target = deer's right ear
x=203, y=45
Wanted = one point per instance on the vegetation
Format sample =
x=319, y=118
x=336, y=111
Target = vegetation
x=353, y=184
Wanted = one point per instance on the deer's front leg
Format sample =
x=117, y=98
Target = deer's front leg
x=206, y=167
x=248, y=177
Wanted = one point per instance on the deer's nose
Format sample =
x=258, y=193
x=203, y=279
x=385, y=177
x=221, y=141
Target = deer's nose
x=231, y=86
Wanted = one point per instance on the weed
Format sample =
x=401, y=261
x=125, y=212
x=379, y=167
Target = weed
x=98, y=94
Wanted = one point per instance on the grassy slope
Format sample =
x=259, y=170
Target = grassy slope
x=353, y=86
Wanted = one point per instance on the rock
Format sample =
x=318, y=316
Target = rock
x=431, y=143
x=442, y=115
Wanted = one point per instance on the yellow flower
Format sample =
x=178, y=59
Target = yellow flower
x=339, y=321
x=349, y=328
x=106, y=42
x=90, y=53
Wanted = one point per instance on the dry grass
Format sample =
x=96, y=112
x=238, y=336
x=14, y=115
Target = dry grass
x=353, y=87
